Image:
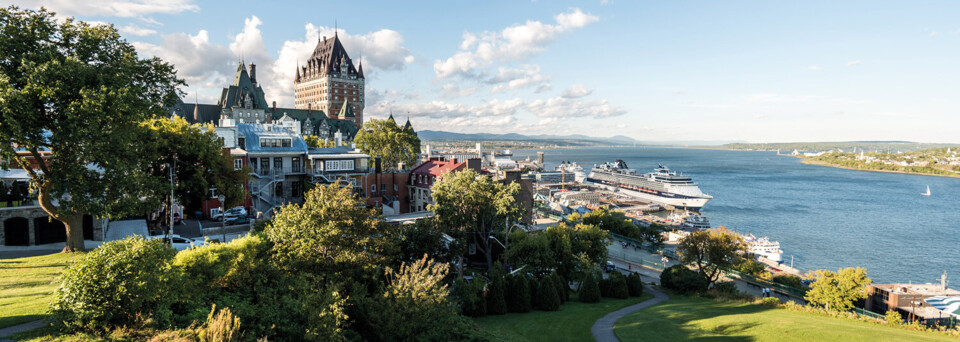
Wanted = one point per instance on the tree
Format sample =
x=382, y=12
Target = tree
x=72, y=96
x=618, y=286
x=635, y=285
x=589, y=290
x=496, y=300
x=200, y=163
x=315, y=142
x=517, y=293
x=475, y=207
x=683, y=280
x=837, y=291
x=712, y=251
x=547, y=296
x=532, y=251
x=384, y=139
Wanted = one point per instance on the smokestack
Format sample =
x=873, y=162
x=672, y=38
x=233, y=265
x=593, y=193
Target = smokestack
x=253, y=73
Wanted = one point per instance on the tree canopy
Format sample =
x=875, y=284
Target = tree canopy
x=78, y=91
x=712, y=251
x=837, y=291
x=393, y=144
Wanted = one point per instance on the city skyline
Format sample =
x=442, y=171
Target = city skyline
x=748, y=71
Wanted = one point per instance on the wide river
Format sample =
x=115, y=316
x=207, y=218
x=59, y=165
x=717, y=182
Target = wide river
x=826, y=218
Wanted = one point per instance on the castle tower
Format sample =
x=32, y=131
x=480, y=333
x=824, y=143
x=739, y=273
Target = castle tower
x=328, y=81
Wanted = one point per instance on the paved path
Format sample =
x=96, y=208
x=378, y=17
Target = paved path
x=603, y=328
x=19, y=328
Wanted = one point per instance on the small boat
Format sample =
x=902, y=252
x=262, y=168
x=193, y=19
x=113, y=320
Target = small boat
x=927, y=193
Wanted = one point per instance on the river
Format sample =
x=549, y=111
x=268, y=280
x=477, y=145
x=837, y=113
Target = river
x=825, y=217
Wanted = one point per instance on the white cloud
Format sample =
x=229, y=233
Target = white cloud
x=196, y=59
x=813, y=68
x=112, y=8
x=134, y=30
x=567, y=107
x=515, y=78
x=514, y=43
x=577, y=91
x=454, y=90
x=853, y=63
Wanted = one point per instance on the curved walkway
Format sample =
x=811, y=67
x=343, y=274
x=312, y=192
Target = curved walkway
x=603, y=328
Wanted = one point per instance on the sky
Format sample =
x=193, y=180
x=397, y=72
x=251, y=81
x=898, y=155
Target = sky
x=757, y=71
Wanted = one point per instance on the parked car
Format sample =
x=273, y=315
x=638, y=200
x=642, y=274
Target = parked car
x=234, y=212
x=236, y=220
x=180, y=243
x=609, y=267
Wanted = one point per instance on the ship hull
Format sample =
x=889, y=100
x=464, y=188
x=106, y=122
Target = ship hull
x=677, y=201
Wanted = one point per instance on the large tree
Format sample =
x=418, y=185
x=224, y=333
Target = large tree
x=79, y=92
x=712, y=251
x=837, y=291
x=475, y=208
x=384, y=139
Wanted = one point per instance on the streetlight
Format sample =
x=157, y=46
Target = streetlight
x=498, y=241
x=223, y=220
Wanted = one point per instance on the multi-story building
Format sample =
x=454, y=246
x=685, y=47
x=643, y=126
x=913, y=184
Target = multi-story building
x=388, y=190
x=328, y=82
x=343, y=163
x=912, y=301
x=424, y=176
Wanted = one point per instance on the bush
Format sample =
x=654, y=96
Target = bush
x=496, y=302
x=683, y=280
x=517, y=294
x=788, y=280
x=770, y=301
x=618, y=286
x=533, y=285
x=121, y=283
x=563, y=290
x=547, y=292
x=589, y=290
x=893, y=317
x=220, y=326
x=606, y=287
x=634, y=285
x=471, y=298
x=726, y=287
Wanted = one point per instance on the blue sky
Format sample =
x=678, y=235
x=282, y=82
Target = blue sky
x=757, y=71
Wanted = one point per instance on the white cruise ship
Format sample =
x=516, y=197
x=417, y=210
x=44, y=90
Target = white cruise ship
x=660, y=186
x=763, y=247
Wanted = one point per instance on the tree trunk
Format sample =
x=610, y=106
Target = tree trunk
x=74, y=226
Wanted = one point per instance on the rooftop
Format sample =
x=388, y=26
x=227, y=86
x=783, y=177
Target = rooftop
x=919, y=289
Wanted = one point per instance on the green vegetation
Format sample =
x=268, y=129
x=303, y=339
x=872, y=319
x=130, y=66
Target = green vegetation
x=27, y=286
x=571, y=323
x=712, y=251
x=687, y=318
x=837, y=291
x=937, y=162
x=392, y=143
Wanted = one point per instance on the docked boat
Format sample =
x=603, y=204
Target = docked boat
x=572, y=171
x=660, y=186
x=763, y=247
x=691, y=220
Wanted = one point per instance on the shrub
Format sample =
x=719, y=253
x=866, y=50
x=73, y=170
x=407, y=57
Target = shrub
x=606, y=287
x=618, y=286
x=517, y=294
x=726, y=287
x=563, y=291
x=496, y=302
x=893, y=317
x=770, y=301
x=121, y=283
x=471, y=298
x=634, y=285
x=589, y=290
x=533, y=285
x=788, y=280
x=547, y=292
x=683, y=280
x=220, y=326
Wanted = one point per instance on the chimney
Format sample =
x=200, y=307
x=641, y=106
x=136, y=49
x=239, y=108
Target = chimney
x=474, y=163
x=376, y=165
x=274, y=106
x=253, y=73
x=309, y=108
x=454, y=160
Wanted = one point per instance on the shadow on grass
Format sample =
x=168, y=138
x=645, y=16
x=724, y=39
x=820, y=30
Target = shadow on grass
x=675, y=320
x=10, y=321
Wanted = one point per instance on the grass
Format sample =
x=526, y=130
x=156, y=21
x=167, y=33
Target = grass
x=571, y=323
x=687, y=318
x=27, y=285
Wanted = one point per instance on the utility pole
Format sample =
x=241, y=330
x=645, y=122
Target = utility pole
x=174, y=166
x=223, y=220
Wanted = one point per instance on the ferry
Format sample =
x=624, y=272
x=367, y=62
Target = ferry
x=692, y=221
x=763, y=247
x=660, y=186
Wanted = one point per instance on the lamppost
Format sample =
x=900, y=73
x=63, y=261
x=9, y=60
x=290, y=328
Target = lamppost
x=172, y=167
x=223, y=220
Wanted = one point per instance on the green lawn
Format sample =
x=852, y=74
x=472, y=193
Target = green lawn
x=27, y=285
x=571, y=323
x=686, y=318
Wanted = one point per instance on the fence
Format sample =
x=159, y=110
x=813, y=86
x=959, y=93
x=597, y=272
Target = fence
x=777, y=286
x=868, y=313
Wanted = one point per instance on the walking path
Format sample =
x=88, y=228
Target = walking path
x=19, y=328
x=603, y=328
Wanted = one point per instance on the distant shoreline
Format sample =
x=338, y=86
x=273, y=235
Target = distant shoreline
x=810, y=161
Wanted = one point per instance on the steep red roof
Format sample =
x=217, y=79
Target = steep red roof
x=436, y=169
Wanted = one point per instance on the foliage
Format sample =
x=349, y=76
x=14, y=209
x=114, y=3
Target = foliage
x=548, y=299
x=893, y=317
x=332, y=235
x=606, y=287
x=712, y=251
x=634, y=285
x=496, y=301
x=788, y=280
x=563, y=290
x=614, y=221
x=80, y=91
x=470, y=295
x=475, y=207
x=681, y=279
x=750, y=266
x=518, y=294
x=316, y=142
x=221, y=326
x=422, y=237
x=121, y=283
x=384, y=139
x=531, y=250
x=837, y=291
x=589, y=290
x=560, y=248
x=770, y=301
x=618, y=286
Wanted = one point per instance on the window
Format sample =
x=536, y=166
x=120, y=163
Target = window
x=373, y=188
x=253, y=164
x=383, y=188
x=295, y=189
x=339, y=165
x=237, y=164
x=278, y=164
x=265, y=166
x=242, y=142
x=278, y=190
x=276, y=142
x=395, y=188
x=295, y=163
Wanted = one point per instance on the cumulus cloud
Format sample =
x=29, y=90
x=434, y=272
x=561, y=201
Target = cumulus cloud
x=112, y=8
x=577, y=91
x=135, y=30
x=514, y=43
x=853, y=63
x=454, y=90
x=515, y=78
x=197, y=60
x=567, y=107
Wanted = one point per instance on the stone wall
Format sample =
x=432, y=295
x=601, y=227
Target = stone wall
x=31, y=213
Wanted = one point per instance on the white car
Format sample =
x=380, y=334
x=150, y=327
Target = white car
x=231, y=214
x=181, y=243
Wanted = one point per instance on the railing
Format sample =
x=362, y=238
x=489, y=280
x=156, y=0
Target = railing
x=868, y=313
x=783, y=288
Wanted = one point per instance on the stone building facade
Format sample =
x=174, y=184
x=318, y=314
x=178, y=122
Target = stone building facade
x=330, y=83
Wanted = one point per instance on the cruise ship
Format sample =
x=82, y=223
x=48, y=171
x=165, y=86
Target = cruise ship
x=660, y=186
